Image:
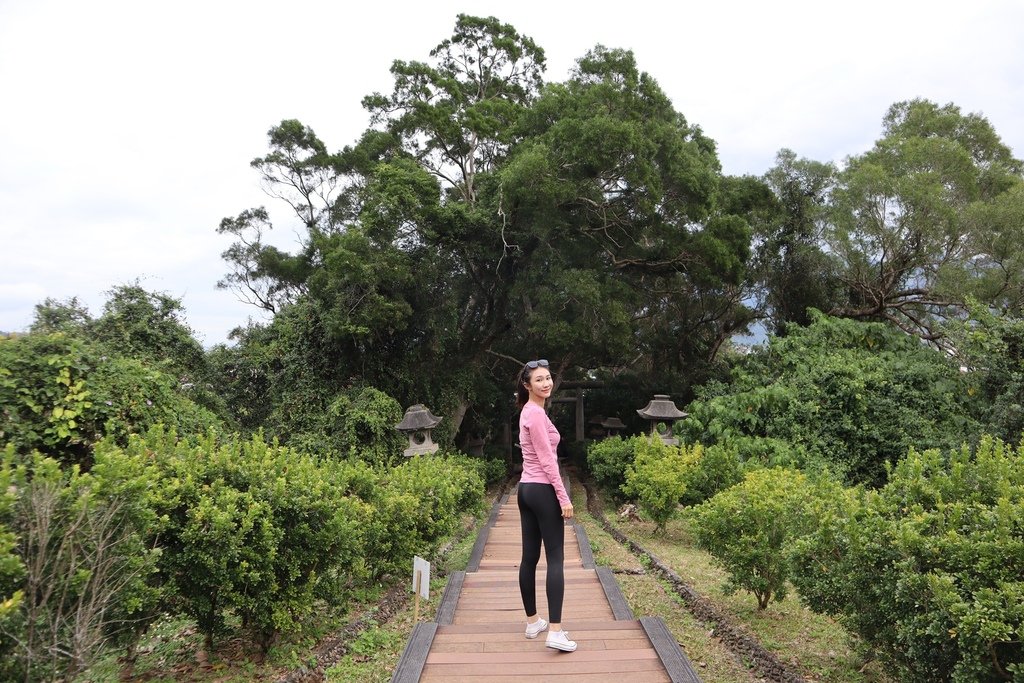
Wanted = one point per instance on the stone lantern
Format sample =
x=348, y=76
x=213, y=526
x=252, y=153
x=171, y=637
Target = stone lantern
x=662, y=411
x=416, y=424
x=612, y=426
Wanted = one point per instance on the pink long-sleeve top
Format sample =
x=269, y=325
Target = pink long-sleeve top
x=539, y=441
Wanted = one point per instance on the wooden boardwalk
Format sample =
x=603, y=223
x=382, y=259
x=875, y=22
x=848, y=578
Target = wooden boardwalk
x=478, y=635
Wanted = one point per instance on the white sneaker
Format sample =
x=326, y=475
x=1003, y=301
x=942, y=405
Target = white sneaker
x=559, y=640
x=533, y=630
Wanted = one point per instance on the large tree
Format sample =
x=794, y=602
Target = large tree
x=486, y=217
x=907, y=232
x=794, y=271
x=922, y=220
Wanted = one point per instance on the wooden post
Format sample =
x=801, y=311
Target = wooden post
x=416, y=601
x=580, y=424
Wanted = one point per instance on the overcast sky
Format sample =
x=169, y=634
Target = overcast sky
x=126, y=128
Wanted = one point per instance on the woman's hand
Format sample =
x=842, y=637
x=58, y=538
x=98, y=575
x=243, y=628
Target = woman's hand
x=567, y=511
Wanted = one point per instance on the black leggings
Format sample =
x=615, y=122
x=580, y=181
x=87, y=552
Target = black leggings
x=541, y=519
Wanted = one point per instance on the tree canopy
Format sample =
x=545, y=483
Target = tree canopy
x=906, y=232
x=487, y=216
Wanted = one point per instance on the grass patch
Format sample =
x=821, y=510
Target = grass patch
x=372, y=658
x=647, y=596
x=813, y=643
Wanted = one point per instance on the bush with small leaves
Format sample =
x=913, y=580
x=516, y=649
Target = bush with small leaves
x=608, y=460
x=747, y=528
x=361, y=424
x=43, y=395
x=840, y=395
x=709, y=470
x=444, y=486
x=253, y=528
x=493, y=470
x=657, y=479
x=928, y=570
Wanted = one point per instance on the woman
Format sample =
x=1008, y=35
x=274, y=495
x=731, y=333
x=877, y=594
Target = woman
x=543, y=504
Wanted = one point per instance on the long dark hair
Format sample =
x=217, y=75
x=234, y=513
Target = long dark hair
x=522, y=393
x=523, y=378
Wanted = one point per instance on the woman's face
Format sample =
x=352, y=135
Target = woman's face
x=539, y=384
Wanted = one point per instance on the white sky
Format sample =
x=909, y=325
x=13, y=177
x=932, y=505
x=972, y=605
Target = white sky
x=126, y=128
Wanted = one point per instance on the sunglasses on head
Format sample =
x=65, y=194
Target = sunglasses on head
x=534, y=364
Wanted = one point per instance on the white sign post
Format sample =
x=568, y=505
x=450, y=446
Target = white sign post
x=420, y=583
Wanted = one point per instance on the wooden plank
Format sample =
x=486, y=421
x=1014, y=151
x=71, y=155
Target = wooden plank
x=558, y=663
x=514, y=613
x=487, y=565
x=483, y=601
x=512, y=588
x=450, y=598
x=513, y=560
x=540, y=653
x=587, y=592
x=676, y=664
x=500, y=591
x=488, y=583
x=601, y=612
x=511, y=574
x=481, y=537
x=492, y=637
x=573, y=625
x=503, y=602
x=498, y=602
x=522, y=644
x=410, y=664
x=612, y=677
x=568, y=552
x=612, y=592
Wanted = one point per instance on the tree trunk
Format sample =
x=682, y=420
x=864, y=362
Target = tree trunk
x=458, y=416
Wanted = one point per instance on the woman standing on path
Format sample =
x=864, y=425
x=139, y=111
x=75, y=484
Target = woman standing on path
x=543, y=505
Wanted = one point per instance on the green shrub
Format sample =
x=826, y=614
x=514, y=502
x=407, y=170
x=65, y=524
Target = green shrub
x=928, y=570
x=491, y=469
x=43, y=397
x=661, y=477
x=495, y=470
x=60, y=395
x=991, y=347
x=11, y=597
x=415, y=505
x=657, y=479
x=83, y=567
x=840, y=395
x=747, y=528
x=252, y=528
x=608, y=460
x=444, y=486
x=12, y=571
x=361, y=424
x=576, y=451
x=708, y=471
x=128, y=397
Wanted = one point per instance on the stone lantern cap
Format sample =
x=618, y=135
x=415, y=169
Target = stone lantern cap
x=612, y=423
x=417, y=417
x=661, y=407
